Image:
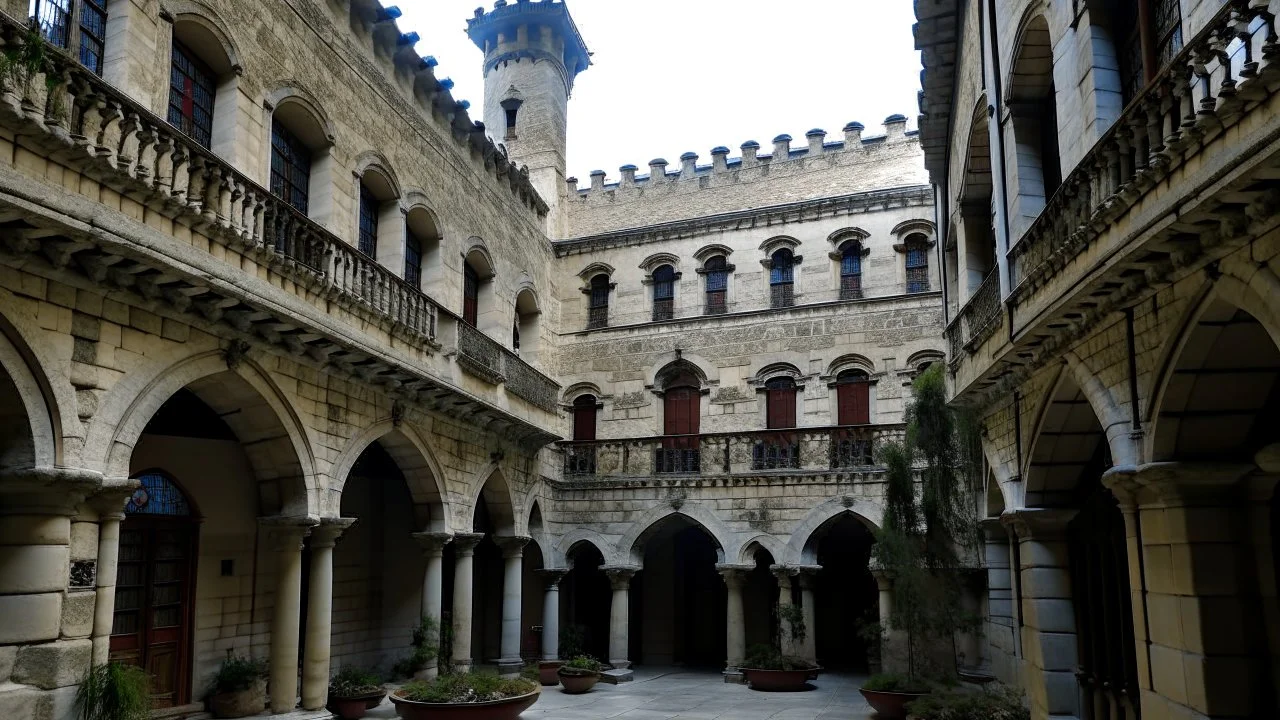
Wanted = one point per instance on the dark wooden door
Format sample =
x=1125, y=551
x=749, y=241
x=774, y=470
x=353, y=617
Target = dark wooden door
x=681, y=408
x=584, y=418
x=780, y=404
x=854, y=403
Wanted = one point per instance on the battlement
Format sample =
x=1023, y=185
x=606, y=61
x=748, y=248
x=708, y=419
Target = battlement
x=816, y=146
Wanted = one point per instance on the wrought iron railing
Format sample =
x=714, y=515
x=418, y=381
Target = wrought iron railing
x=677, y=460
x=852, y=447
x=597, y=317
x=782, y=295
x=776, y=451
x=101, y=132
x=664, y=309
x=579, y=459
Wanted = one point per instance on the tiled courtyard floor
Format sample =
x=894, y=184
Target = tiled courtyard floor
x=691, y=695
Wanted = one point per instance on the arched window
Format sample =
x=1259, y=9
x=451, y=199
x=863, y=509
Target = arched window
x=192, y=86
x=917, y=249
x=853, y=398
x=717, y=270
x=290, y=167
x=598, y=310
x=470, y=294
x=413, y=260
x=780, y=403
x=157, y=495
x=851, y=270
x=368, y=241
x=584, y=418
x=782, y=279
x=1033, y=112
x=421, y=248
x=526, y=333
x=664, y=293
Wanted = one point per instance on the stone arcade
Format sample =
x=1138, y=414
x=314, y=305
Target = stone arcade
x=295, y=352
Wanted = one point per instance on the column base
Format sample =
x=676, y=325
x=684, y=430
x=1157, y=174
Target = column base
x=735, y=676
x=510, y=667
x=617, y=675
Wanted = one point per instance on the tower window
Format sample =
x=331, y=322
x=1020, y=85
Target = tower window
x=717, y=285
x=191, y=90
x=470, y=294
x=510, y=108
x=851, y=271
x=511, y=120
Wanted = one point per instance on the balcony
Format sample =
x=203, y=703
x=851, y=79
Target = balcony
x=487, y=359
x=845, y=448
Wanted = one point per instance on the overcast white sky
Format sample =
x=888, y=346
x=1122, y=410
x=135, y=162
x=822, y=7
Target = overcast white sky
x=670, y=76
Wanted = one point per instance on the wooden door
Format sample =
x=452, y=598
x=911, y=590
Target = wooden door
x=154, y=599
x=780, y=404
x=681, y=409
x=854, y=403
x=584, y=418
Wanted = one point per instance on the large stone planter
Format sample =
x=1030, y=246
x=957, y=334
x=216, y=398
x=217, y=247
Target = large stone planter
x=508, y=709
x=353, y=708
x=778, y=680
x=547, y=671
x=240, y=703
x=577, y=682
x=890, y=705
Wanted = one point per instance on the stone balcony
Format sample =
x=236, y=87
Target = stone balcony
x=845, y=450
x=187, y=234
x=1173, y=185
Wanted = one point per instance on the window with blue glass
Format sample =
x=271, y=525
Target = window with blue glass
x=157, y=495
x=851, y=270
x=93, y=34
x=598, y=310
x=782, y=278
x=717, y=271
x=917, y=264
x=290, y=167
x=368, y=222
x=664, y=293
x=53, y=18
x=191, y=91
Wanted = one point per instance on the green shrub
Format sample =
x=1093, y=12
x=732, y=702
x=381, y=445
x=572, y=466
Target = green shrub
x=892, y=682
x=766, y=657
x=1002, y=704
x=354, y=682
x=426, y=647
x=582, y=663
x=114, y=692
x=468, y=688
x=238, y=673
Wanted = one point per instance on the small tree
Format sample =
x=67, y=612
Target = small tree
x=927, y=525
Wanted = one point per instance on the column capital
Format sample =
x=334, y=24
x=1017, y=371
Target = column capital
x=783, y=572
x=110, y=499
x=1038, y=523
x=883, y=576
x=993, y=529
x=735, y=576
x=807, y=574
x=620, y=575
x=552, y=576
x=326, y=534
x=286, y=533
x=512, y=545
x=465, y=543
x=46, y=490
x=1175, y=484
x=432, y=542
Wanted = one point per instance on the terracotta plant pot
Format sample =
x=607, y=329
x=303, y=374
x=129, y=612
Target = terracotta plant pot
x=240, y=703
x=348, y=708
x=508, y=709
x=373, y=701
x=369, y=701
x=778, y=680
x=547, y=671
x=577, y=682
x=890, y=705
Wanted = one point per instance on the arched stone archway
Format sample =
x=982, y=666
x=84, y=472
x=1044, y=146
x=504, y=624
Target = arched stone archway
x=678, y=599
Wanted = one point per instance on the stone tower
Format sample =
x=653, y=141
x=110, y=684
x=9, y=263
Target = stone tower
x=532, y=53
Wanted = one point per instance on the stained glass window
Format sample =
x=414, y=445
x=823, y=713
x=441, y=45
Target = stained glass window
x=157, y=496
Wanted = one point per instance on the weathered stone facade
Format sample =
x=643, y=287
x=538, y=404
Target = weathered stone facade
x=265, y=286
x=1109, y=268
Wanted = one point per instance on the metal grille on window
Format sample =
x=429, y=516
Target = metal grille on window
x=917, y=267
x=781, y=279
x=53, y=17
x=157, y=496
x=368, y=243
x=598, y=311
x=1165, y=36
x=664, y=290
x=290, y=167
x=413, y=261
x=191, y=91
x=851, y=271
x=717, y=286
x=470, y=295
x=93, y=34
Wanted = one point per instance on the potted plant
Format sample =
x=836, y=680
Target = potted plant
x=579, y=674
x=353, y=691
x=426, y=651
x=114, y=691
x=571, y=639
x=471, y=696
x=239, y=688
x=923, y=543
x=766, y=667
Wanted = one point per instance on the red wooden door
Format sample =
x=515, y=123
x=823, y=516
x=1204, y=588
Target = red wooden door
x=681, y=408
x=780, y=404
x=584, y=418
x=853, y=402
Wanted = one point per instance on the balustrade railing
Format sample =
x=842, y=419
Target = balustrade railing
x=1201, y=92
x=487, y=359
x=978, y=319
x=98, y=130
x=822, y=449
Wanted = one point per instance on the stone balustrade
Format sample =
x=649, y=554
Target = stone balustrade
x=844, y=448
x=978, y=319
x=487, y=359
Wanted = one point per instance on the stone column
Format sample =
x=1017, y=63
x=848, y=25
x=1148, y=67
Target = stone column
x=510, y=664
x=1206, y=654
x=890, y=660
x=735, y=577
x=787, y=644
x=284, y=537
x=432, y=544
x=808, y=646
x=1000, y=625
x=315, y=651
x=464, y=546
x=619, y=619
x=110, y=507
x=1049, y=625
x=551, y=612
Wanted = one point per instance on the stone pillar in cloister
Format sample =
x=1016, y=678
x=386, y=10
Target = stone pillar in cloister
x=1001, y=626
x=1194, y=564
x=808, y=645
x=620, y=621
x=735, y=577
x=891, y=659
x=432, y=544
x=284, y=537
x=786, y=641
x=110, y=506
x=315, y=648
x=46, y=600
x=464, y=547
x=510, y=663
x=1049, y=626
x=551, y=612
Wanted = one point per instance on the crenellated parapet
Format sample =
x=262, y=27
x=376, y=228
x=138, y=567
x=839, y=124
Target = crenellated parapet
x=528, y=30
x=789, y=170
